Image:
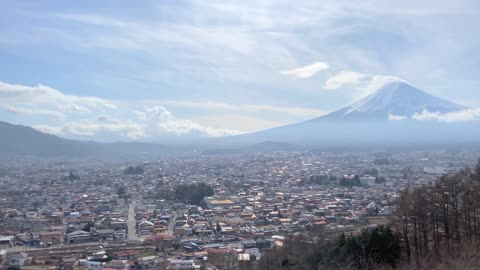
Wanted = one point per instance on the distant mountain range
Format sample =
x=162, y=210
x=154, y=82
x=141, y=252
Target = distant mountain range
x=397, y=114
x=18, y=140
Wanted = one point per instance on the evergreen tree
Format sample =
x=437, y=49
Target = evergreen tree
x=218, y=228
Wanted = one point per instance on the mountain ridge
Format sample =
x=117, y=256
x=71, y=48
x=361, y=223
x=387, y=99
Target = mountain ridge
x=20, y=140
x=365, y=122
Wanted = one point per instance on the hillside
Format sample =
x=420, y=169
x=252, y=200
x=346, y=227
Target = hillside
x=18, y=140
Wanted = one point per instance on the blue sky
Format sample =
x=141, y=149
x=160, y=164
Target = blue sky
x=152, y=70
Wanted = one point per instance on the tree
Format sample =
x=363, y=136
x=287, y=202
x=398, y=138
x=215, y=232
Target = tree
x=380, y=180
x=87, y=227
x=218, y=228
x=443, y=215
x=194, y=193
x=73, y=176
x=134, y=170
x=121, y=191
x=371, y=171
x=350, y=182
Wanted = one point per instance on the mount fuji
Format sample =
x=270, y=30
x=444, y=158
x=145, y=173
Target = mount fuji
x=395, y=101
x=397, y=113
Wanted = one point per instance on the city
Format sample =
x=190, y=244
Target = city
x=100, y=214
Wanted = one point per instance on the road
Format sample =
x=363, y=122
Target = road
x=171, y=224
x=68, y=247
x=132, y=222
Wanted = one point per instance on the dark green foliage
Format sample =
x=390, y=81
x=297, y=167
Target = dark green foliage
x=87, y=227
x=379, y=246
x=346, y=182
x=380, y=180
x=382, y=161
x=322, y=179
x=72, y=176
x=370, y=249
x=193, y=194
x=134, y=170
x=121, y=191
x=407, y=172
x=371, y=171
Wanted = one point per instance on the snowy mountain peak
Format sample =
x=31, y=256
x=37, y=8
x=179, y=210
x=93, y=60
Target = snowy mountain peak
x=397, y=99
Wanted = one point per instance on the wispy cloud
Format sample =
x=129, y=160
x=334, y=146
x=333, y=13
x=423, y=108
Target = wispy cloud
x=459, y=116
x=306, y=71
x=89, y=128
x=26, y=99
x=92, y=19
x=393, y=117
x=249, y=108
x=344, y=78
x=89, y=116
x=26, y=111
x=362, y=83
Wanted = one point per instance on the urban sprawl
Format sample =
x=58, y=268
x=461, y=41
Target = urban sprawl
x=198, y=212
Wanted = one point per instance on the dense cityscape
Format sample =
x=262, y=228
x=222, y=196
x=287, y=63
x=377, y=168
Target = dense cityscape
x=199, y=212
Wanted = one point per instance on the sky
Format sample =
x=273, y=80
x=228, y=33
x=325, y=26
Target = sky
x=160, y=70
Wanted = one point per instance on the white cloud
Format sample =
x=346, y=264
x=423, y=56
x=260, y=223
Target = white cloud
x=87, y=116
x=459, y=116
x=306, y=71
x=344, y=78
x=92, y=19
x=247, y=123
x=48, y=129
x=363, y=84
x=87, y=128
x=17, y=110
x=249, y=108
x=46, y=100
x=378, y=81
x=154, y=123
x=393, y=117
x=159, y=121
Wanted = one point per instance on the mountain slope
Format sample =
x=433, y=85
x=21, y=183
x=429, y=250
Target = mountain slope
x=374, y=120
x=18, y=140
x=22, y=140
x=395, y=99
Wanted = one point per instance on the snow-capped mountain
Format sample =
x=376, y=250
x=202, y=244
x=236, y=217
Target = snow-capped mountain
x=396, y=100
x=375, y=120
